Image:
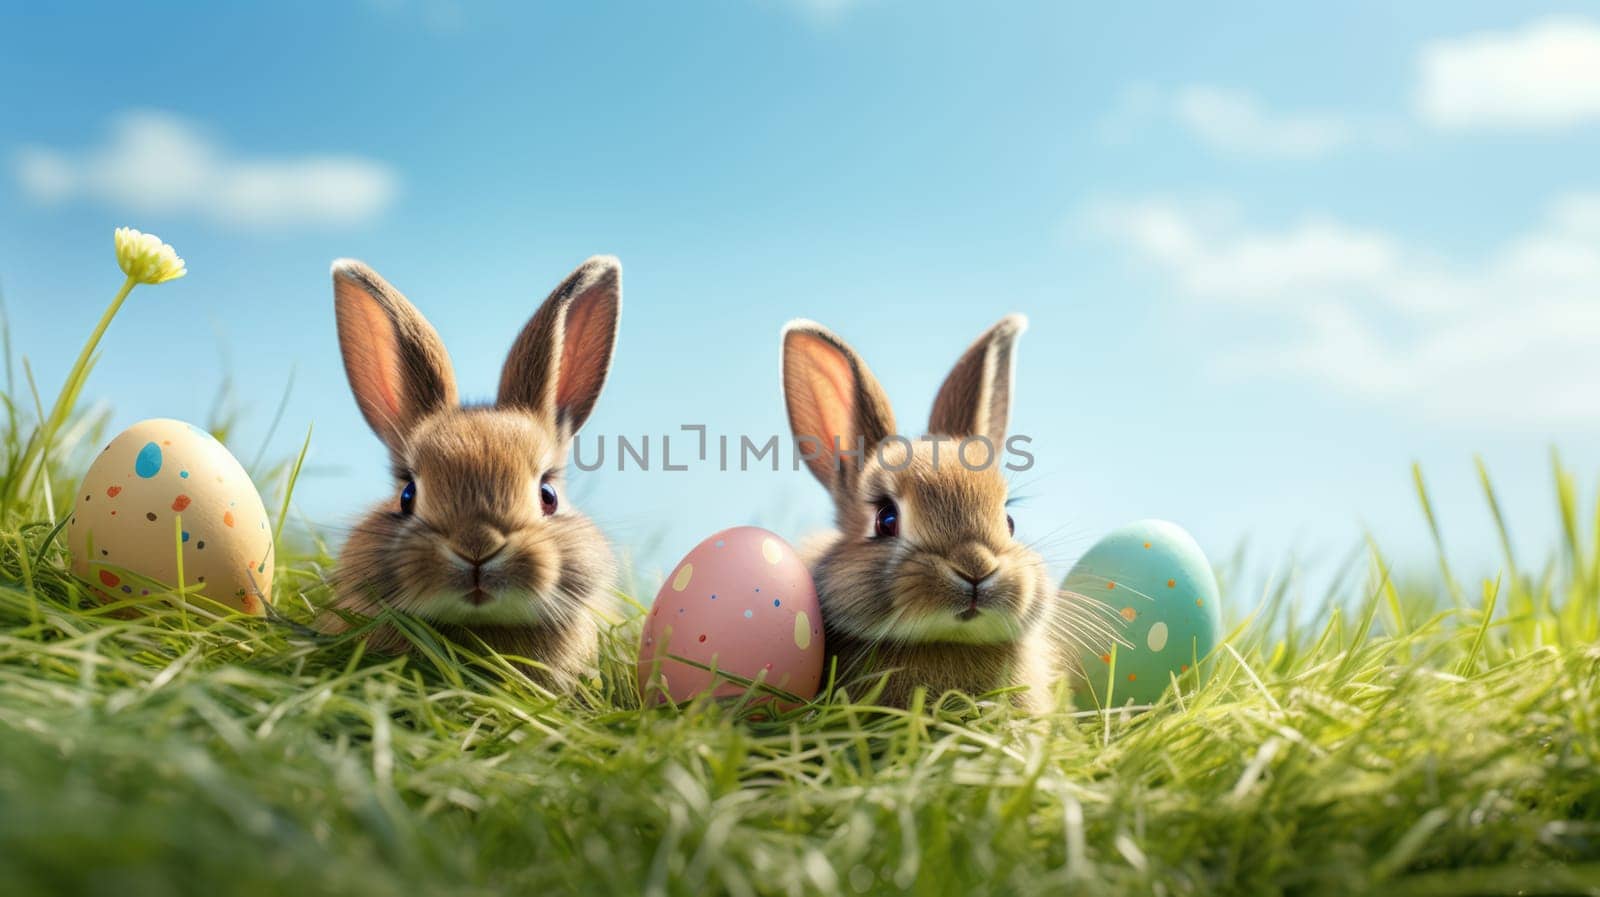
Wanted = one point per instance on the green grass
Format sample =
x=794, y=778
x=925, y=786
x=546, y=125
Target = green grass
x=1436, y=736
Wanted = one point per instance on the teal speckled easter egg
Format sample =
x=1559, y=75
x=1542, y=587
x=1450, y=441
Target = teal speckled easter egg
x=1162, y=598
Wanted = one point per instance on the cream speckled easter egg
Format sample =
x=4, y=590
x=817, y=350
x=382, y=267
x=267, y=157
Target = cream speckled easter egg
x=1156, y=579
x=741, y=602
x=161, y=490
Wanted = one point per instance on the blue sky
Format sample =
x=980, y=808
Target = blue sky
x=1271, y=254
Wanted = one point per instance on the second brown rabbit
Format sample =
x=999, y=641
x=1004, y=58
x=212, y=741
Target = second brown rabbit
x=924, y=580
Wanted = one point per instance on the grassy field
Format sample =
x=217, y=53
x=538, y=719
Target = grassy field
x=1437, y=737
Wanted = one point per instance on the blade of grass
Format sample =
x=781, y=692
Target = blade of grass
x=272, y=428
x=1503, y=531
x=1451, y=585
x=44, y=444
x=1491, y=594
x=288, y=489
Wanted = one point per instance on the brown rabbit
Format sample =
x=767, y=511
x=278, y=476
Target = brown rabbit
x=478, y=538
x=924, y=578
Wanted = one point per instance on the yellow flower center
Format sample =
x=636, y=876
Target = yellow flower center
x=146, y=259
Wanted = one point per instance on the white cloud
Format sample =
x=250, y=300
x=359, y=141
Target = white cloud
x=1544, y=75
x=1512, y=335
x=1247, y=268
x=157, y=163
x=1234, y=121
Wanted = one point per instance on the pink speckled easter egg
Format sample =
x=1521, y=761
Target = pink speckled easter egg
x=743, y=603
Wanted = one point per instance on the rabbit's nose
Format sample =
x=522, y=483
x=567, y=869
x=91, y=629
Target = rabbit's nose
x=476, y=560
x=975, y=580
x=974, y=564
x=478, y=548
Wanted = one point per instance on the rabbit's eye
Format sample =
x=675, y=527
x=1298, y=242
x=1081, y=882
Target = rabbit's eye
x=1011, y=525
x=408, y=497
x=887, y=524
x=547, y=498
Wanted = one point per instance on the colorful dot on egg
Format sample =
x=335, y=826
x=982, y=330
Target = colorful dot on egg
x=776, y=602
x=127, y=590
x=108, y=578
x=185, y=535
x=770, y=551
x=1183, y=668
x=1132, y=678
x=1198, y=602
x=1110, y=586
x=749, y=613
x=1171, y=583
x=111, y=492
x=1105, y=658
x=713, y=597
x=148, y=462
x=681, y=581
x=1129, y=613
x=184, y=474
x=720, y=543
x=181, y=502
x=702, y=637
x=150, y=516
x=1147, y=544
x=227, y=518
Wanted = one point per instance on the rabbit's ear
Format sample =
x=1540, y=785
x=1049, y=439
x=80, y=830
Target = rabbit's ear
x=397, y=365
x=837, y=410
x=558, y=364
x=975, y=399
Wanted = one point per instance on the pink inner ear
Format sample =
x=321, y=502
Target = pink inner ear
x=371, y=356
x=827, y=411
x=586, y=352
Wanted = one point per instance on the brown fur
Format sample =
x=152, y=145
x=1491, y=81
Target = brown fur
x=479, y=558
x=900, y=606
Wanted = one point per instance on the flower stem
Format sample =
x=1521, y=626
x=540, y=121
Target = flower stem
x=69, y=392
